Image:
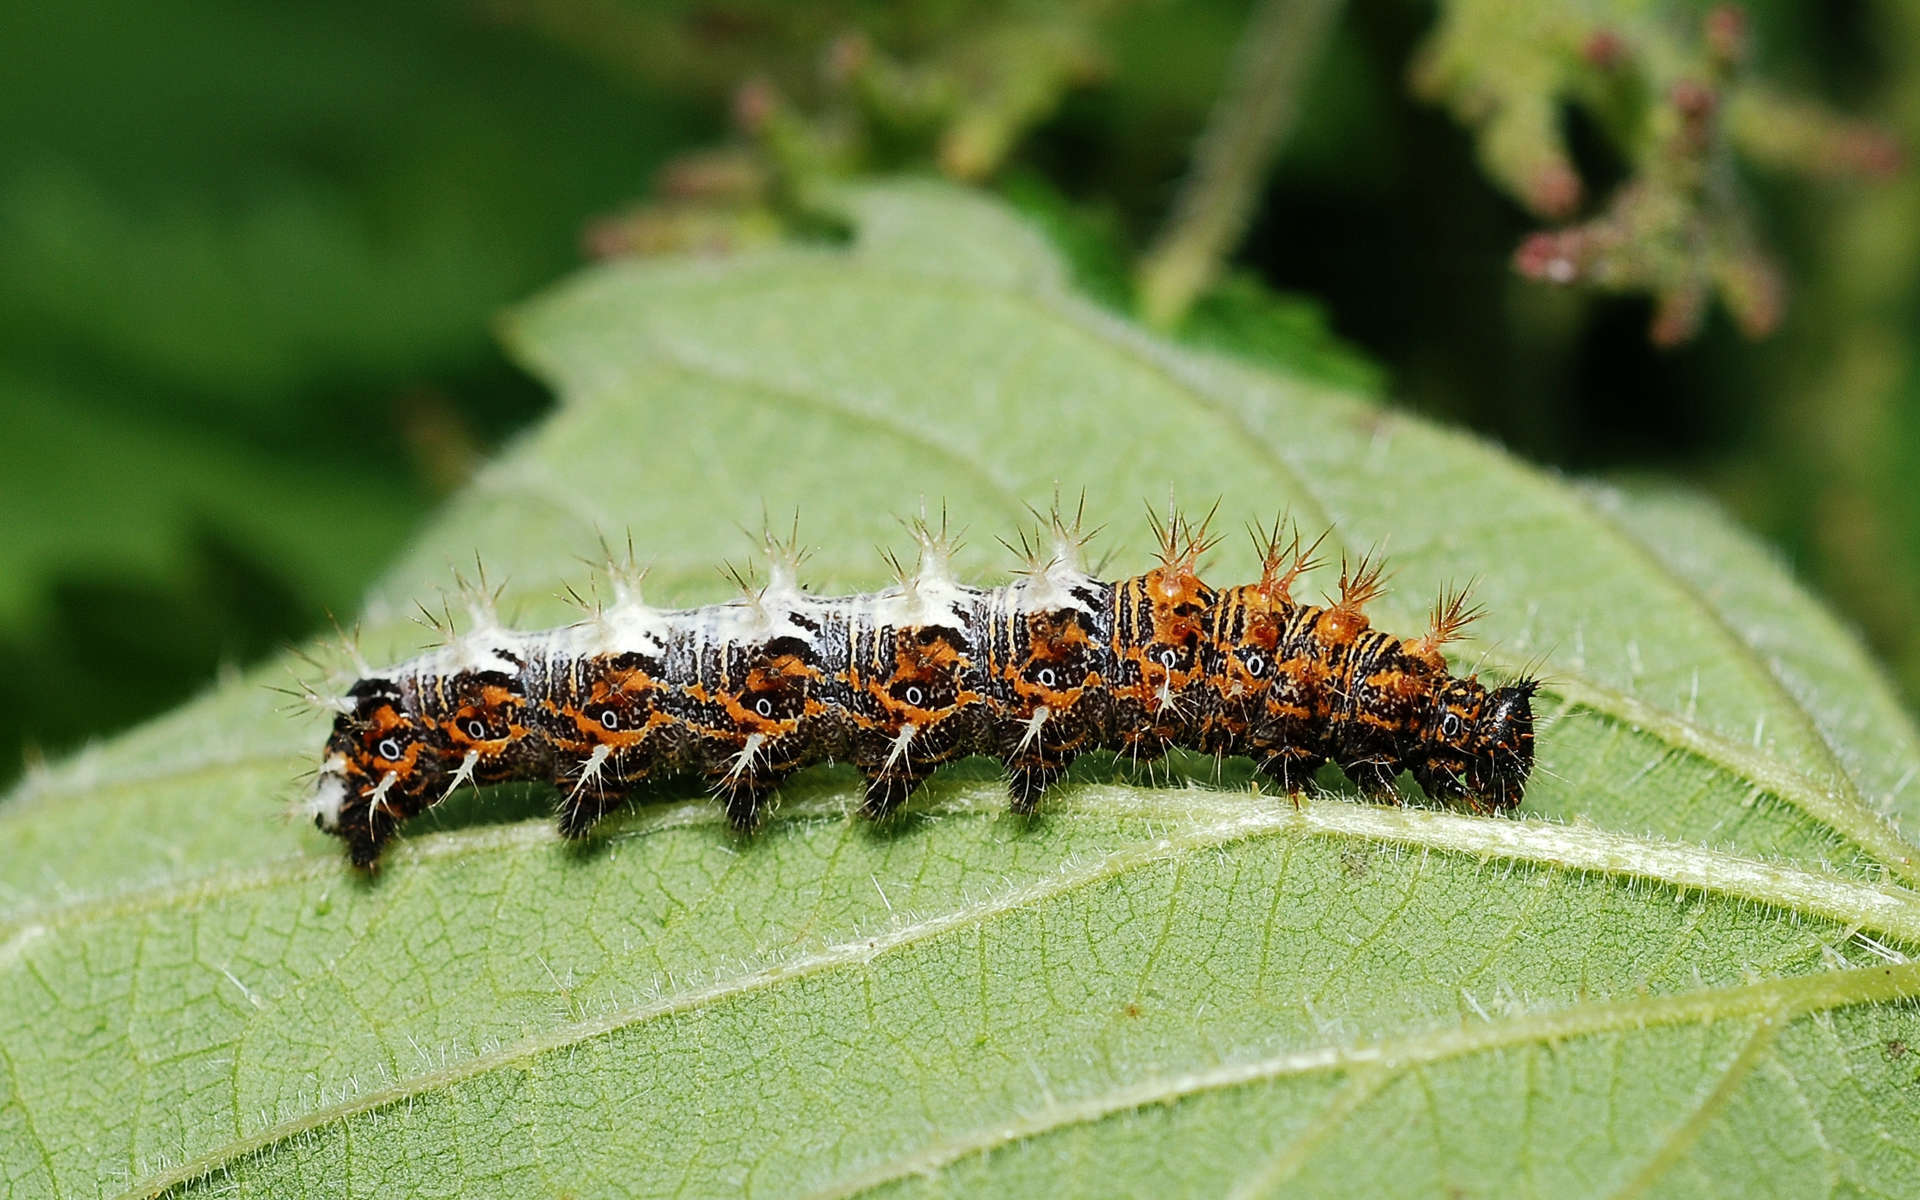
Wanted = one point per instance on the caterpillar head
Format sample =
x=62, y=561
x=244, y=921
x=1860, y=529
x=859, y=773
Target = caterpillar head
x=1503, y=747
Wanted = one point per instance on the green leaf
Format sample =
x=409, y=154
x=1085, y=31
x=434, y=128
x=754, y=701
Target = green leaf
x=1681, y=969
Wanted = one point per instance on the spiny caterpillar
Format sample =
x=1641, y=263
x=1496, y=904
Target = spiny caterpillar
x=901, y=681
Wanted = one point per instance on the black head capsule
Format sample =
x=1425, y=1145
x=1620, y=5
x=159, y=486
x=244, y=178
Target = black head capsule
x=1503, y=750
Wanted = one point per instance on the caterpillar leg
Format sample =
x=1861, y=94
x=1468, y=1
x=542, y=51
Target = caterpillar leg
x=369, y=819
x=745, y=800
x=887, y=790
x=1293, y=770
x=1028, y=781
x=1374, y=778
x=581, y=811
x=590, y=787
x=1144, y=752
x=363, y=849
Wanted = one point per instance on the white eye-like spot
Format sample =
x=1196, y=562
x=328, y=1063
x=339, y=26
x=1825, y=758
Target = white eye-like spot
x=763, y=706
x=389, y=749
x=1168, y=658
x=1450, y=726
x=915, y=696
x=1045, y=677
x=610, y=719
x=1255, y=664
x=477, y=730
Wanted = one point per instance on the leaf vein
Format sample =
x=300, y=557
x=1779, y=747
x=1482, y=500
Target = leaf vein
x=1681, y=1137
x=1379, y=1062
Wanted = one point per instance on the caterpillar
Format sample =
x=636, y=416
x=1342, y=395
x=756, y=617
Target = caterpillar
x=902, y=681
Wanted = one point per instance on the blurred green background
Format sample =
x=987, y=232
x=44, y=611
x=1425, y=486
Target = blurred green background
x=249, y=255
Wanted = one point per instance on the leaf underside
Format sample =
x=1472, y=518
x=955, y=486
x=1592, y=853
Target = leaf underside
x=1682, y=969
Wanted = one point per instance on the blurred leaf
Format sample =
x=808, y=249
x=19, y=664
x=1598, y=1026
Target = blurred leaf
x=247, y=257
x=1682, y=970
x=256, y=203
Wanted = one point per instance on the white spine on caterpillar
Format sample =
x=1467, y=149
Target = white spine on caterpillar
x=590, y=769
x=488, y=646
x=762, y=613
x=930, y=596
x=748, y=622
x=1053, y=582
x=627, y=627
x=938, y=601
x=461, y=656
x=897, y=752
x=463, y=774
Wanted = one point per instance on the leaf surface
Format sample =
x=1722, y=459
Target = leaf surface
x=1681, y=969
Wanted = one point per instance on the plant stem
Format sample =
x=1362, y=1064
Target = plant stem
x=1249, y=122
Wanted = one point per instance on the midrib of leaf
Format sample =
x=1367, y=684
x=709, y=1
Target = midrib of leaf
x=1845, y=812
x=1888, y=910
x=1839, y=807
